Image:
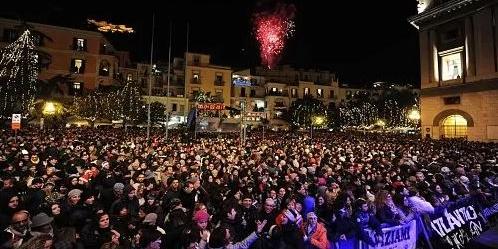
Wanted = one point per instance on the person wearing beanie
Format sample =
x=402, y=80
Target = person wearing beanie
x=150, y=222
x=314, y=233
x=74, y=196
x=201, y=217
x=199, y=230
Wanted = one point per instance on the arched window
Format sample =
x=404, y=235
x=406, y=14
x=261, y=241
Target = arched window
x=454, y=126
x=104, y=68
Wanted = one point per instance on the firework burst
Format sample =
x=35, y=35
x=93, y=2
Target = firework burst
x=272, y=29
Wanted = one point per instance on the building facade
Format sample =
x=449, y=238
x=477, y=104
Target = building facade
x=87, y=56
x=459, y=68
x=201, y=75
x=284, y=85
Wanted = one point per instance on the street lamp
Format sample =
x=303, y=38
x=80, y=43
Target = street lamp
x=414, y=115
x=49, y=108
x=318, y=121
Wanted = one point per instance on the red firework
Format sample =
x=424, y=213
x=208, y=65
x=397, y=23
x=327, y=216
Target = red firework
x=272, y=29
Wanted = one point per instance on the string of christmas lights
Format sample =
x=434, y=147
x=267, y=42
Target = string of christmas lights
x=124, y=104
x=19, y=67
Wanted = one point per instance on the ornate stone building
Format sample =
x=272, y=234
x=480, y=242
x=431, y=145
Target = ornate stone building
x=459, y=68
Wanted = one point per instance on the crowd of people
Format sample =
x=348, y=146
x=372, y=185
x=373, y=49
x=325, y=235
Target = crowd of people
x=111, y=188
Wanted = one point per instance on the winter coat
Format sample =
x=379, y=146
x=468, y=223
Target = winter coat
x=93, y=237
x=287, y=236
x=318, y=239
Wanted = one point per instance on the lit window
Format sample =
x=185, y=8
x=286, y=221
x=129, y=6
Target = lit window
x=274, y=89
x=80, y=44
x=319, y=92
x=454, y=126
x=104, y=68
x=306, y=91
x=129, y=77
x=196, y=77
x=76, y=85
x=451, y=64
x=77, y=66
x=218, y=80
x=293, y=92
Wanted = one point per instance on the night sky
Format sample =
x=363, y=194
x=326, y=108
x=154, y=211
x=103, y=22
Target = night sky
x=362, y=41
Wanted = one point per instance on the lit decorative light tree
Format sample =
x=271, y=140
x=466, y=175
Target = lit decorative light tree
x=130, y=102
x=123, y=104
x=302, y=111
x=19, y=67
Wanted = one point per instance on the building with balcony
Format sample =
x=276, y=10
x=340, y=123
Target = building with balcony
x=198, y=74
x=87, y=56
x=284, y=85
x=459, y=68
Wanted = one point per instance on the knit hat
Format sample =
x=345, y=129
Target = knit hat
x=74, y=192
x=201, y=216
x=311, y=215
x=40, y=220
x=150, y=219
x=118, y=187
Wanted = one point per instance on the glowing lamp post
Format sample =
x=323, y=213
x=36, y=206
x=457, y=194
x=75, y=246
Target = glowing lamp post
x=49, y=108
x=318, y=121
x=414, y=116
x=380, y=123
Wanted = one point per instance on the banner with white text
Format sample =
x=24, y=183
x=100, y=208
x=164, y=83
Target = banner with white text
x=398, y=237
x=456, y=225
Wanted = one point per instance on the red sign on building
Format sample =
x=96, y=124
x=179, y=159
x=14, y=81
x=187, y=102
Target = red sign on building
x=211, y=106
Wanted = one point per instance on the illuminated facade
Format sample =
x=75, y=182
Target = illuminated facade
x=284, y=85
x=85, y=55
x=201, y=75
x=459, y=69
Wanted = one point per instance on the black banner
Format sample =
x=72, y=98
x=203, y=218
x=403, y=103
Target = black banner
x=456, y=225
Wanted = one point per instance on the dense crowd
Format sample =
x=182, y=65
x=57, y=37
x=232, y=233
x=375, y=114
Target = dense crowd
x=109, y=188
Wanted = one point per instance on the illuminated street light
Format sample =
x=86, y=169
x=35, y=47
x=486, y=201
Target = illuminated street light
x=49, y=108
x=380, y=122
x=414, y=115
x=318, y=120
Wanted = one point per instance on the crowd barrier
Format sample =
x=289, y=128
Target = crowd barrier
x=451, y=227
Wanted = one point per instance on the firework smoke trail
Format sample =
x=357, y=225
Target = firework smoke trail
x=272, y=29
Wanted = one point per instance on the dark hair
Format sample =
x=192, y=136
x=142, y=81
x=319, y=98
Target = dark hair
x=217, y=238
x=149, y=235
